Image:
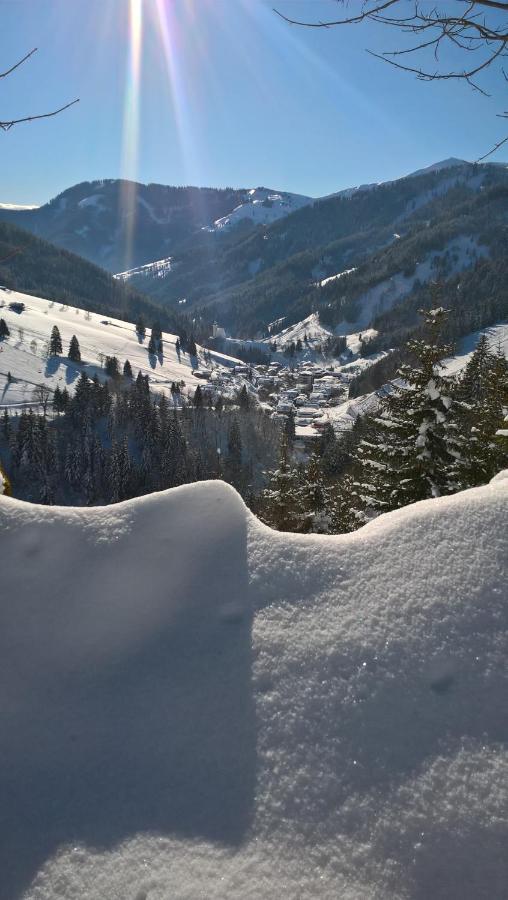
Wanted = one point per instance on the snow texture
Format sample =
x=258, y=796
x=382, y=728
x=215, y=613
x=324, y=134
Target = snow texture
x=195, y=706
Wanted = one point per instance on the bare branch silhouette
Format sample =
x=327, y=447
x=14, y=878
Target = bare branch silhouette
x=9, y=123
x=463, y=25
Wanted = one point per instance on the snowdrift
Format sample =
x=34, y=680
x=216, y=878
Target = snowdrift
x=194, y=706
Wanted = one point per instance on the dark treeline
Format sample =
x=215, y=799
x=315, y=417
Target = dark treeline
x=115, y=440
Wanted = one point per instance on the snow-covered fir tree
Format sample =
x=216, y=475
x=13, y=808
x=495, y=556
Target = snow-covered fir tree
x=414, y=448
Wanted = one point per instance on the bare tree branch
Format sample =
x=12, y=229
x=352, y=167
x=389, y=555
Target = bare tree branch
x=20, y=63
x=459, y=24
x=7, y=125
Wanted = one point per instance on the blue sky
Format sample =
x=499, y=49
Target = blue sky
x=226, y=94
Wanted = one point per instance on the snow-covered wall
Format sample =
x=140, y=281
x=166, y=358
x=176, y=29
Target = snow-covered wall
x=194, y=706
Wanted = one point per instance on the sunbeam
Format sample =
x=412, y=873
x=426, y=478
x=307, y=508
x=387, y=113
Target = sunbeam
x=130, y=148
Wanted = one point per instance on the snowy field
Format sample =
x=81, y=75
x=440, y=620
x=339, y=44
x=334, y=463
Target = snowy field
x=24, y=355
x=197, y=707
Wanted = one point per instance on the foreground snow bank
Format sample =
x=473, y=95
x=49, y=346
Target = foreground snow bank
x=195, y=706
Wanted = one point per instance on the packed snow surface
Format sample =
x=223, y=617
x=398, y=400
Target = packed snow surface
x=195, y=706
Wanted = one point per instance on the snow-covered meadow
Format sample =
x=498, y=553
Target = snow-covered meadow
x=195, y=706
x=23, y=353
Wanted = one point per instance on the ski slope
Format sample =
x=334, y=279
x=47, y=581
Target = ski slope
x=197, y=707
x=97, y=335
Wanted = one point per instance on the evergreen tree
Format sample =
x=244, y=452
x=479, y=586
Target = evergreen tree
x=55, y=342
x=193, y=350
x=127, y=369
x=140, y=327
x=74, y=353
x=152, y=347
x=280, y=502
x=244, y=399
x=484, y=392
x=234, y=454
x=412, y=453
x=290, y=429
x=112, y=366
x=315, y=497
x=57, y=400
x=6, y=428
x=198, y=397
x=4, y=329
x=157, y=337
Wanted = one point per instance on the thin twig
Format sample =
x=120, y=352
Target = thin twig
x=5, y=126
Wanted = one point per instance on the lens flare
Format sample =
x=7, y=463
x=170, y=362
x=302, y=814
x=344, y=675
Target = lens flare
x=173, y=38
x=131, y=125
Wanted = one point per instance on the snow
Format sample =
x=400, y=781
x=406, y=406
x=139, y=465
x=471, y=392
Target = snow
x=450, y=163
x=262, y=206
x=335, y=277
x=159, y=268
x=497, y=336
x=195, y=706
x=97, y=335
x=95, y=200
x=463, y=251
x=310, y=326
x=17, y=206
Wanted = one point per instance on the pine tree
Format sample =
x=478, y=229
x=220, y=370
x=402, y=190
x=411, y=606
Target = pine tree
x=193, y=350
x=152, y=348
x=65, y=399
x=290, y=429
x=55, y=342
x=280, y=502
x=74, y=353
x=140, y=327
x=57, y=400
x=315, y=497
x=484, y=392
x=127, y=369
x=198, y=397
x=112, y=367
x=6, y=428
x=244, y=399
x=157, y=337
x=234, y=454
x=413, y=451
x=4, y=329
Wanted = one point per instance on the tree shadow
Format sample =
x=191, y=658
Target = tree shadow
x=152, y=359
x=52, y=365
x=156, y=737
x=72, y=369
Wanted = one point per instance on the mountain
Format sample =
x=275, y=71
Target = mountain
x=35, y=266
x=246, y=258
x=195, y=705
x=121, y=225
